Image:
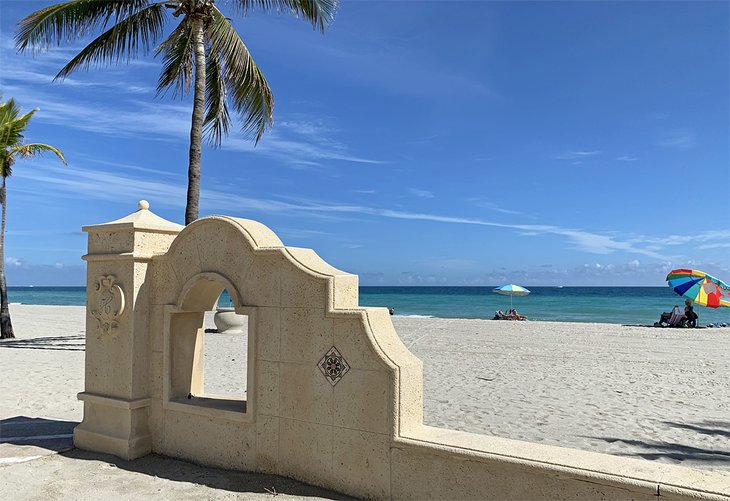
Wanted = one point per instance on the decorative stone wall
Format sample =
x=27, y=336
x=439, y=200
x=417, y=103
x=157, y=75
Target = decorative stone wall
x=333, y=396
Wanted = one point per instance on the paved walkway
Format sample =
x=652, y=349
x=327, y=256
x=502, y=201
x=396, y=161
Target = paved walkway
x=38, y=462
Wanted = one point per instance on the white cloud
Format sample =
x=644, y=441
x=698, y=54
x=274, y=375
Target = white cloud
x=14, y=261
x=627, y=158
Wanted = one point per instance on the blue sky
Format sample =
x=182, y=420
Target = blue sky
x=415, y=142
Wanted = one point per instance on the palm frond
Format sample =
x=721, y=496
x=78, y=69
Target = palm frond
x=177, y=50
x=247, y=87
x=35, y=149
x=68, y=21
x=217, y=119
x=320, y=13
x=123, y=40
x=13, y=126
x=9, y=111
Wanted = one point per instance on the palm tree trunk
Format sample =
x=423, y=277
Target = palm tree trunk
x=196, y=129
x=6, y=326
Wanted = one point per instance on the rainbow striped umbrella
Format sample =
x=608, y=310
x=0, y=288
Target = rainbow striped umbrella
x=511, y=290
x=700, y=287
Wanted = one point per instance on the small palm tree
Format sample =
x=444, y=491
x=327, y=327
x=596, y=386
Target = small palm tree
x=203, y=50
x=12, y=128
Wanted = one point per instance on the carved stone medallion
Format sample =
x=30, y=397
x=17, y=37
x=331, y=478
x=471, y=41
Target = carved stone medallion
x=333, y=366
x=109, y=298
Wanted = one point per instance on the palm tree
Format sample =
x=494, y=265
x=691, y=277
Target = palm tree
x=203, y=50
x=12, y=128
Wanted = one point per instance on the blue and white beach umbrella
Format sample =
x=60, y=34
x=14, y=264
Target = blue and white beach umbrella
x=511, y=290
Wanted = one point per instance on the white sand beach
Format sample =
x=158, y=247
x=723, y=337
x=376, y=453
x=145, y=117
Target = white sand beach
x=657, y=394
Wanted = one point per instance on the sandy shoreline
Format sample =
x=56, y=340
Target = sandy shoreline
x=658, y=394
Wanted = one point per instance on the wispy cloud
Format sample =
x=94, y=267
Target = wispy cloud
x=14, y=261
x=694, y=238
x=136, y=113
x=410, y=73
x=680, y=139
x=25, y=76
x=721, y=245
x=627, y=158
x=420, y=193
x=576, y=155
x=155, y=120
x=109, y=186
x=485, y=204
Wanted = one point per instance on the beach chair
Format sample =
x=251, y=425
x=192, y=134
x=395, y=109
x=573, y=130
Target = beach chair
x=676, y=319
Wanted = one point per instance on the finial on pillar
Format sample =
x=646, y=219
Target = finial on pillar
x=143, y=205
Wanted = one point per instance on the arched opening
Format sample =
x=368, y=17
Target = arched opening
x=208, y=340
x=225, y=350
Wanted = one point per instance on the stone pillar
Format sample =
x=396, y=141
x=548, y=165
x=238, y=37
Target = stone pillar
x=116, y=397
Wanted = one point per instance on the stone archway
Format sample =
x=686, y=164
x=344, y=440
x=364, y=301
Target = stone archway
x=184, y=332
x=335, y=398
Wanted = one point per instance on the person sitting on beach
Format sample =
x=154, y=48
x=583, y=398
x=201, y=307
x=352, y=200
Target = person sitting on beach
x=510, y=315
x=689, y=315
x=516, y=316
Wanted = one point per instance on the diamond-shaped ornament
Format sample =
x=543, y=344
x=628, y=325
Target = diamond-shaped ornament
x=333, y=365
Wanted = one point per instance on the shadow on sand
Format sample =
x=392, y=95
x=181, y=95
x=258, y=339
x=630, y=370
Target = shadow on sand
x=51, y=434
x=679, y=452
x=64, y=343
x=721, y=428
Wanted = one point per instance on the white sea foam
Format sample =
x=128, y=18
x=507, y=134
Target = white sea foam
x=415, y=316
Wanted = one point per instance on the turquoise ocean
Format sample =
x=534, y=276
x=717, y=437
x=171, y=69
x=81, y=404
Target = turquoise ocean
x=618, y=305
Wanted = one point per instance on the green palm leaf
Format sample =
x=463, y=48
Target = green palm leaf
x=250, y=93
x=217, y=119
x=69, y=21
x=319, y=12
x=12, y=126
x=124, y=39
x=178, y=62
x=35, y=149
